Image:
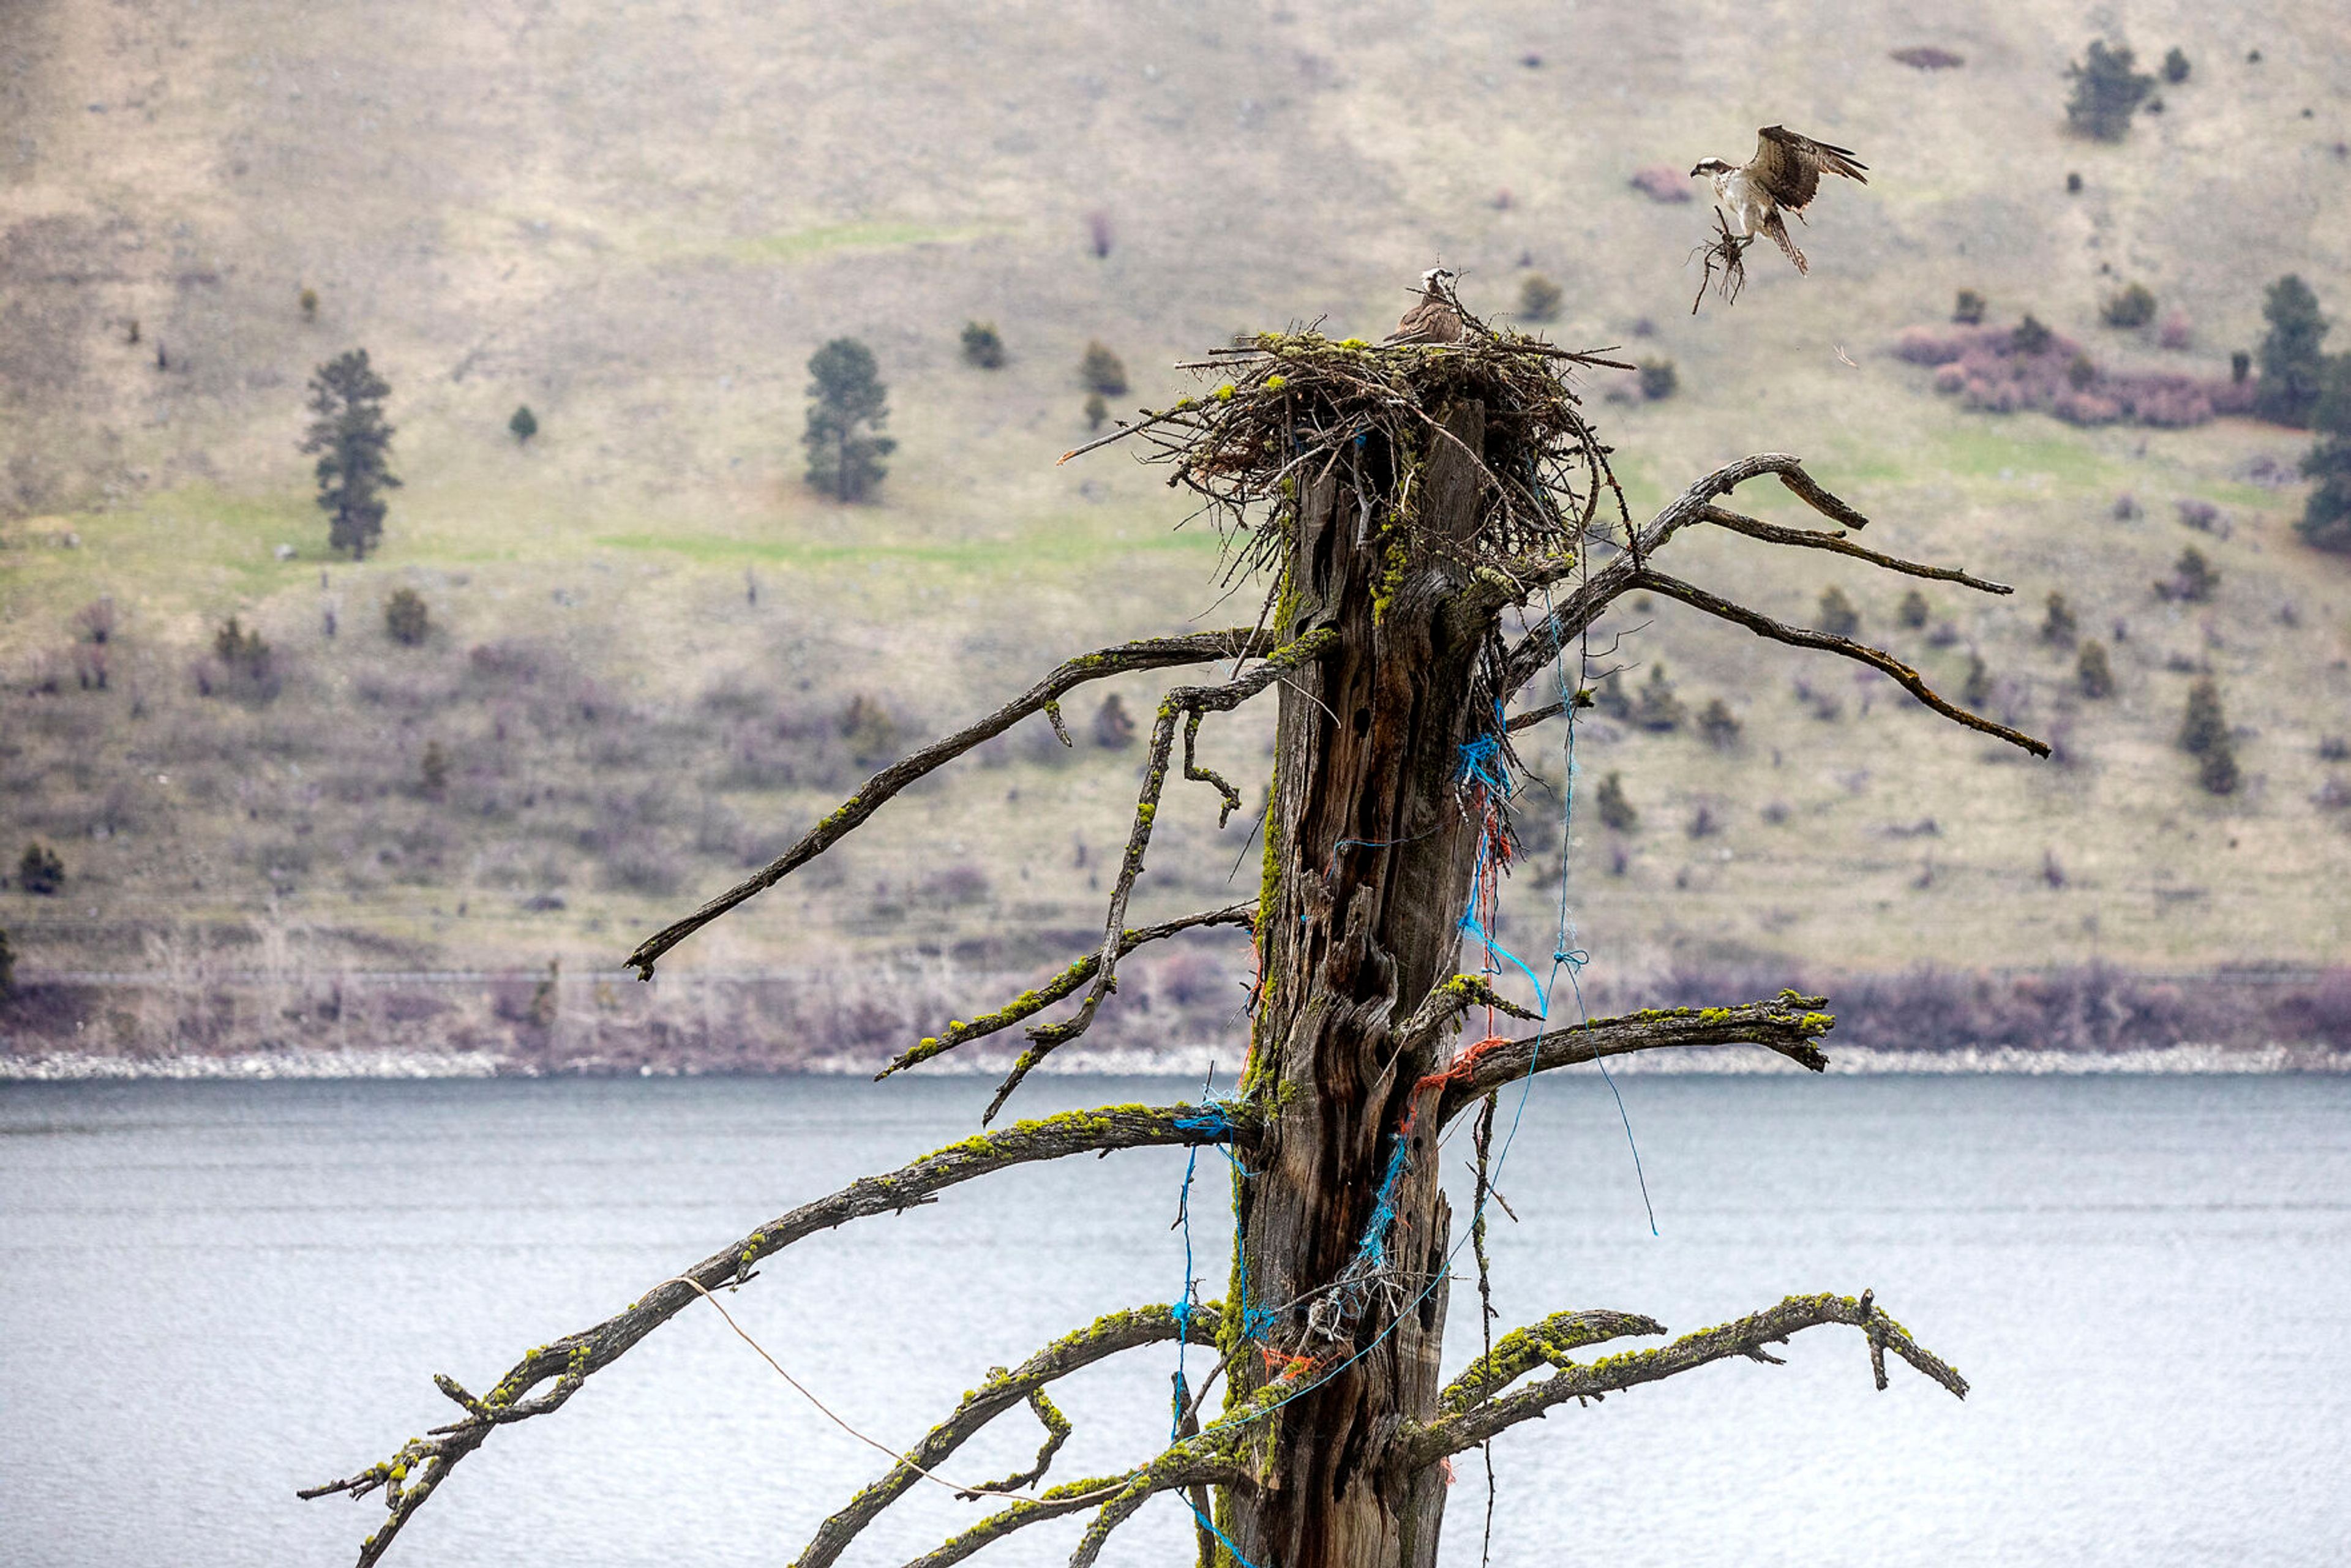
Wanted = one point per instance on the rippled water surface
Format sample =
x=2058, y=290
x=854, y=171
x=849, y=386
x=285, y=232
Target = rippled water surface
x=212, y=1293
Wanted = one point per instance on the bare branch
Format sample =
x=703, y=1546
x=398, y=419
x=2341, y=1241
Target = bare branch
x=1151, y=654
x=1535, y=715
x=1807, y=489
x=568, y=1362
x=1746, y=1337
x=1567, y=620
x=1063, y=984
x=1192, y=700
x=1788, y=1024
x=1908, y=679
x=1103, y=1338
x=1199, y=774
x=1808, y=538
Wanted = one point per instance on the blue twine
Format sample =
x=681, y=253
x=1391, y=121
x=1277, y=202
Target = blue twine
x=1210, y=1526
x=1565, y=954
x=1331, y=872
x=1254, y=1321
x=1372, y=1252
x=1480, y=762
x=1182, y=1311
x=1479, y=756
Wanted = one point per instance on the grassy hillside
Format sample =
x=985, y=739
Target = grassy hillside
x=642, y=221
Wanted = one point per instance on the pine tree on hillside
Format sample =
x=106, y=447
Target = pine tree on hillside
x=2293, y=368
x=1837, y=614
x=41, y=871
x=2059, y=625
x=848, y=406
x=2093, y=672
x=1657, y=707
x=2107, y=92
x=1102, y=371
x=1539, y=298
x=983, y=345
x=2326, y=516
x=1616, y=812
x=353, y=446
x=1976, y=690
x=2204, y=724
x=2204, y=735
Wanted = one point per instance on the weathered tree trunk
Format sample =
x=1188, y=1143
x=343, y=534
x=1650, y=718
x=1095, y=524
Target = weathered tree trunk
x=1369, y=861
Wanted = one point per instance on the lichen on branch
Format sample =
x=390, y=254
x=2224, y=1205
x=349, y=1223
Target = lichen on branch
x=568, y=1362
x=1472, y=1421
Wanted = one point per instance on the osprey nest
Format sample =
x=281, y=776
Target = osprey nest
x=1298, y=407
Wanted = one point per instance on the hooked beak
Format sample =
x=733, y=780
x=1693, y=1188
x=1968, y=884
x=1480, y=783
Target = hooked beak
x=1697, y=170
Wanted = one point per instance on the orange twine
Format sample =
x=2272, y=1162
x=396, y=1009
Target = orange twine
x=1286, y=1369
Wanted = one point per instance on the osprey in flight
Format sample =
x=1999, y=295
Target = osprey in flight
x=1783, y=176
x=1433, y=318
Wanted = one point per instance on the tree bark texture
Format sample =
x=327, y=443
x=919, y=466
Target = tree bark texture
x=1369, y=862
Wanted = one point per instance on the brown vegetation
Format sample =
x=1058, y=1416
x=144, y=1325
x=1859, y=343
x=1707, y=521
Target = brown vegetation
x=2005, y=369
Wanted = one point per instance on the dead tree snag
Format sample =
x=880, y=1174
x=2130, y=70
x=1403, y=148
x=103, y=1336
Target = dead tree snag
x=1396, y=504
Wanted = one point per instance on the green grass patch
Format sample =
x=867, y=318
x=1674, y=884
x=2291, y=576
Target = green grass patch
x=1058, y=543
x=189, y=548
x=2012, y=448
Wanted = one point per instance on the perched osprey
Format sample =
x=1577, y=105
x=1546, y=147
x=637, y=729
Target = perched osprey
x=1783, y=176
x=1433, y=318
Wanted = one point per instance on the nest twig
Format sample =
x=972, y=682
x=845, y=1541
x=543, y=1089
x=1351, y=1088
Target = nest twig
x=1729, y=252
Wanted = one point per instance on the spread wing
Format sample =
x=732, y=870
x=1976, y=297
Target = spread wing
x=1788, y=166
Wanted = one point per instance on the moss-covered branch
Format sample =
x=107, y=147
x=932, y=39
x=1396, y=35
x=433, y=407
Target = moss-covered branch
x=1469, y=1424
x=411, y=1475
x=1150, y=654
x=1002, y=1390
x=961, y=1031
x=1448, y=1002
x=1192, y=700
x=1788, y=1024
x=1190, y=1463
x=1546, y=1343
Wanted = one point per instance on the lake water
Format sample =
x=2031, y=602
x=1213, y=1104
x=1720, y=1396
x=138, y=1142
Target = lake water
x=212, y=1293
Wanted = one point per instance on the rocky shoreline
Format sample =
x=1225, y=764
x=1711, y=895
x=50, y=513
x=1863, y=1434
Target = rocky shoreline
x=1187, y=1062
